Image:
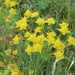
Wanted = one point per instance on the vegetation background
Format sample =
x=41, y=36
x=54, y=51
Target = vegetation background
x=61, y=10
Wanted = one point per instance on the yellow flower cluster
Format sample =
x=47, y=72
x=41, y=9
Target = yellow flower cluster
x=1, y=64
x=64, y=28
x=59, y=55
x=58, y=44
x=28, y=14
x=50, y=21
x=40, y=21
x=12, y=11
x=9, y=51
x=10, y=3
x=38, y=40
x=38, y=29
x=14, y=69
x=8, y=19
x=16, y=39
x=50, y=37
x=22, y=24
x=0, y=73
x=60, y=48
x=0, y=8
x=37, y=43
x=71, y=40
x=30, y=72
x=33, y=35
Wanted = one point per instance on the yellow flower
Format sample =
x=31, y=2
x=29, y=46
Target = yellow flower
x=12, y=67
x=0, y=8
x=38, y=29
x=32, y=37
x=8, y=52
x=13, y=3
x=18, y=23
x=24, y=19
x=50, y=21
x=15, y=52
x=15, y=72
x=40, y=39
x=64, y=30
x=21, y=73
x=51, y=34
x=8, y=19
x=50, y=40
x=22, y=24
x=58, y=45
x=50, y=37
x=16, y=39
x=7, y=3
x=40, y=21
x=27, y=13
x=0, y=38
x=34, y=48
x=29, y=49
x=27, y=34
x=12, y=11
x=35, y=14
x=71, y=40
x=0, y=73
x=30, y=72
x=1, y=64
x=59, y=55
x=63, y=24
x=37, y=48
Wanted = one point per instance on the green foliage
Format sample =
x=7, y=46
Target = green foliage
x=5, y=72
x=60, y=10
x=1, y=18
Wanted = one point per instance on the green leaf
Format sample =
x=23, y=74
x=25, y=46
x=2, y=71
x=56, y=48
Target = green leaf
x=5, y=72
x=2, y=54
x=27, y=42
x=1, y=18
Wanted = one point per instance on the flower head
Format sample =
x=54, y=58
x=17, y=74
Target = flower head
x=40, y=21
x=59, y=55
x=50, y=21
x=7, y=3
x=71, y=40
x=38, y=29
x=16, y=39
x=12, y=11
x=22, y=24
x=8, y=19
x=27, y=13
x=0, y=73
x=12, y=67
x=29, y=49
x=27, y=34
x=8, y=52
x=63, y=24
x=58, y=45
x=15, y=52
x=64, y=30
x=30, y=72
x=13, y=3
x=15, y=72
x=35, y=14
